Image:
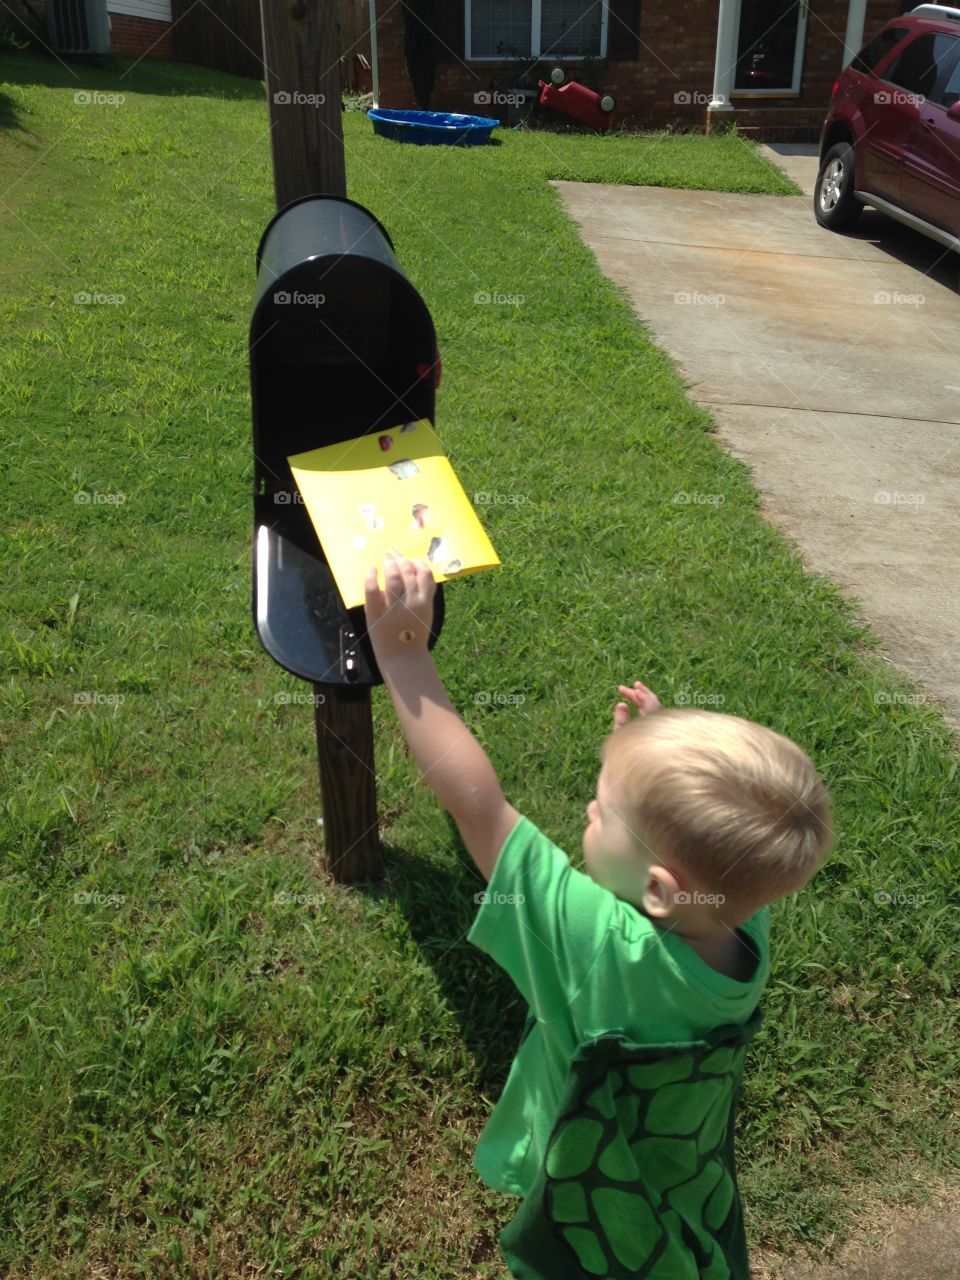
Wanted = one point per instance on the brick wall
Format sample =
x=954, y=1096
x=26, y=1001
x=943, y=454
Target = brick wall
x=677, y=55
x=138, y=37
x=395, y=87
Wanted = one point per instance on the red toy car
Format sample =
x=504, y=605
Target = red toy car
x=892, y=136
x=576, y=100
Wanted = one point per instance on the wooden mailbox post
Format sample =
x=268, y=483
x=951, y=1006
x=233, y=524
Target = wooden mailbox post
x=301, y=54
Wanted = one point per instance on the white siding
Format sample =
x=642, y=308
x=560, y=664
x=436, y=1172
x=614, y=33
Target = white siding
x=157, y=10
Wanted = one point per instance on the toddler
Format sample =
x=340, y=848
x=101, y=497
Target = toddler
x=642, y=973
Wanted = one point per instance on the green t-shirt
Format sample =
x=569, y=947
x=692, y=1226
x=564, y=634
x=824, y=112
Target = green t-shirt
x=587, y=963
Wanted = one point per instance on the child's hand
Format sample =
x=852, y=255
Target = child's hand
x=399, y=618
x=642, y=698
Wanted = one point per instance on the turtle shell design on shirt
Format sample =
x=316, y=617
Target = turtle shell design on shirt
x=639, y=1180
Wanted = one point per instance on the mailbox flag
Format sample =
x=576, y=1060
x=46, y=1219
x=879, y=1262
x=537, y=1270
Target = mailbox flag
x=395, y=488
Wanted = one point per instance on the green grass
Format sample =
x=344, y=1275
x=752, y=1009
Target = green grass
x=220, y=1062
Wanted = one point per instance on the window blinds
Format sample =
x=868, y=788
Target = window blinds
x=499, y=27
x=570, y=28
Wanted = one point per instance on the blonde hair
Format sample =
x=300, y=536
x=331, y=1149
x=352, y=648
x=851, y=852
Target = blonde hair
x=737, y=806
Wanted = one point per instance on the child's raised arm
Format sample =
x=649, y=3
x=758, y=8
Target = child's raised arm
x=453, y=763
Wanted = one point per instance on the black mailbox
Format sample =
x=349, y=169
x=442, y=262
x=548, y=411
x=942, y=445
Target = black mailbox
x=341, y=344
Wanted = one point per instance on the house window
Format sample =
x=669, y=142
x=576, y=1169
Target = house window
x=535, y=28
x=770, y=50
x=499, y=27
x=570, y=28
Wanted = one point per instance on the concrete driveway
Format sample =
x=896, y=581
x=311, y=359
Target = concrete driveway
x=829, y=363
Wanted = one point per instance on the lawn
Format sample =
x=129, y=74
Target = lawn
x=215, y=1061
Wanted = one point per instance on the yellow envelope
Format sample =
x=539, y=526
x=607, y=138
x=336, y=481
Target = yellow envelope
x=393, y=488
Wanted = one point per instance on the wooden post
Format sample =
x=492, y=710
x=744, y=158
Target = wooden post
x=301, y=54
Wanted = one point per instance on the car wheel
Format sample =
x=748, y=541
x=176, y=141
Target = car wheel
x=834, y=204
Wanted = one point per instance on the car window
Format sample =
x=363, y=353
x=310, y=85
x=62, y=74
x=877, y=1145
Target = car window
x=877, y=49
x=917, y=67
x=950, y=92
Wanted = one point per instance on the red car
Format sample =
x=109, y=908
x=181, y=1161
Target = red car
x=892, y=136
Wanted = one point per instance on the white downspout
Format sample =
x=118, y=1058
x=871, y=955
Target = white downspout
x=726, y=61
x=853, y=40
x=374, y=65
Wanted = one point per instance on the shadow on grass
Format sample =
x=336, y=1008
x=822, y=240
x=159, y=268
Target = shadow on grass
x=8, y=112
x=437, y=900
x=112, y=74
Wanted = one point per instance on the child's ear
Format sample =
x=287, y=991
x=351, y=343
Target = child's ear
x=660, y=896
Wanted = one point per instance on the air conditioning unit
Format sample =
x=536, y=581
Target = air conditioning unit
x=78, y=26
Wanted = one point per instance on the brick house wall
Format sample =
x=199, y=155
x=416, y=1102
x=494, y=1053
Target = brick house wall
x=666, y=82
x=140, y=37
x=131, y=37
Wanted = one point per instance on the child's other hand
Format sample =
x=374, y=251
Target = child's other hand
x=642, y=698
x=399, y=618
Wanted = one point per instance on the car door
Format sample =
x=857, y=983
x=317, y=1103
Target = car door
x=931, y=174
x=864, y=91
x=904, y=87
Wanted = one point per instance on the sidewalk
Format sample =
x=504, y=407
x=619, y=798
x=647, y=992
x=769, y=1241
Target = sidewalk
x=828, y=362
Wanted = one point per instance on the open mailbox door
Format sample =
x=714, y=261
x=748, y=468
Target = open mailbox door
x=341, y=345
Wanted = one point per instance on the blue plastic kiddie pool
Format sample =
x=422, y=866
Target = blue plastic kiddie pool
x=432, y=127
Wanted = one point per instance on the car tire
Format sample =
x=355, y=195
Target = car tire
x=834, y=204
